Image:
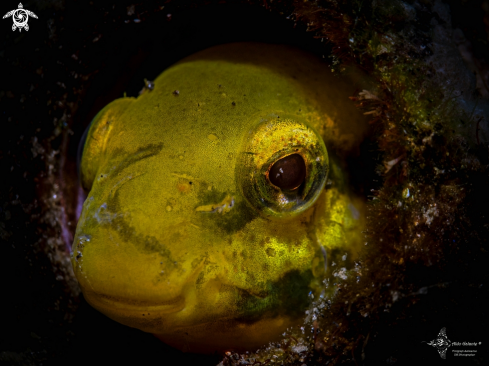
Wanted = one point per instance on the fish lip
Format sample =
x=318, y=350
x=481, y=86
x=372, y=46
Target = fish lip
x=115, y=304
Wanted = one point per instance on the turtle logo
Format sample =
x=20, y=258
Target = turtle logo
x=20, y=17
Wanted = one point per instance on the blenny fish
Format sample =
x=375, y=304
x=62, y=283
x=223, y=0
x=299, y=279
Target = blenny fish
x=216, y=198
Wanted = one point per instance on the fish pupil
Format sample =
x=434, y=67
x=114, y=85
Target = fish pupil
x=288, y=173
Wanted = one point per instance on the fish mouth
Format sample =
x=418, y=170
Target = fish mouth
x=116, y=304
x=128, y=306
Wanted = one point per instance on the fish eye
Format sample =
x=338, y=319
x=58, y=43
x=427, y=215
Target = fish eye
x=283, y=167
x=288, y=173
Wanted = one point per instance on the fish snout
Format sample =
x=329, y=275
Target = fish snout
x=131, y=283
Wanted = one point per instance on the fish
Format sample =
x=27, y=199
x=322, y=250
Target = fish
x=217, y=197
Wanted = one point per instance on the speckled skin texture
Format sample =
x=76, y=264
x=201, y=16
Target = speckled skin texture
x=182, y=233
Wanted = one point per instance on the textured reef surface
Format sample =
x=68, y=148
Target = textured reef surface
x=425, y=178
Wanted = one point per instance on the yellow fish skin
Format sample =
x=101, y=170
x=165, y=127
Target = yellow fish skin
x=209, y=210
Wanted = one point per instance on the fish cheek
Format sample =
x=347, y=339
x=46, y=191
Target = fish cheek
x=265, y=251
x=225, y=223
x=286, y=297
